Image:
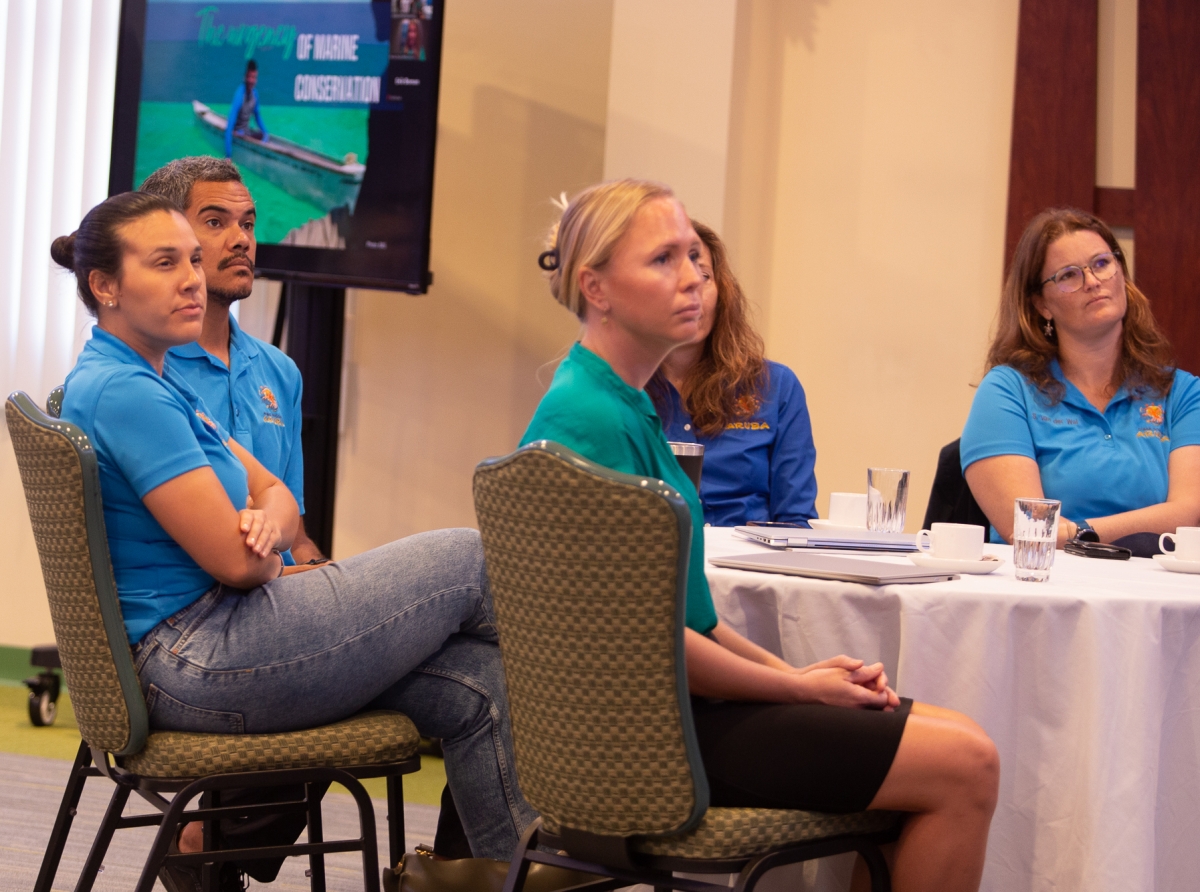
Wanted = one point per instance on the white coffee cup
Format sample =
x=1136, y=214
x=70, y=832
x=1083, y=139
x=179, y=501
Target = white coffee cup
x=952, y=541
x=848, y=509
x=1187, y=543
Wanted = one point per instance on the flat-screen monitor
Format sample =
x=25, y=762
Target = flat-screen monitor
x=328, y=108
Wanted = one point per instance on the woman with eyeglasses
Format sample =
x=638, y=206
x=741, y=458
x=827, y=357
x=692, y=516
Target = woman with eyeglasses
x=1082, y=401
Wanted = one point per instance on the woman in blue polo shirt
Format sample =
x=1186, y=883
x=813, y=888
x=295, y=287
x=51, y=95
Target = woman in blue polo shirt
x=748, y=412
x=225, y=638
x=827, y=737
x=1082, y=402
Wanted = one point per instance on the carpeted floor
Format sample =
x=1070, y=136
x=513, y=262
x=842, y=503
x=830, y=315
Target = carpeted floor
x=31, y=787
x=33, y=770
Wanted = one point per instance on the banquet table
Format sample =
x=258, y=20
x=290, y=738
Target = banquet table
x=1088, y=683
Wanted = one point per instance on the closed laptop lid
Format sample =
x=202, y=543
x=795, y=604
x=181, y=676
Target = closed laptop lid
x=831, y=566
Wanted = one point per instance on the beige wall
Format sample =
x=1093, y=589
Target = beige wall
x=869, y=180
x=436, y=383
x=668, y=100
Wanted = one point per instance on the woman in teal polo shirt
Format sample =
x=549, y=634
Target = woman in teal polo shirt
x=1082, y=402
x=225, y=638
x=828, y=737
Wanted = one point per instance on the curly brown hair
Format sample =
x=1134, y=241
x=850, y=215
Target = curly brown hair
x=1146, y=364
x=727, y=382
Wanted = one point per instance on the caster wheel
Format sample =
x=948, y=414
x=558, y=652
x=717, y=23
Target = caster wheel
x=42, y=708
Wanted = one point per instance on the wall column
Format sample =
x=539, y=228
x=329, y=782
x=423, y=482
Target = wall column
x=670, y=74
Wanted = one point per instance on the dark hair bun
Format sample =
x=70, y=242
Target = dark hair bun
x=62, y=251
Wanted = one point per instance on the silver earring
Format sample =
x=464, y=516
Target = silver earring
x=1048, y=328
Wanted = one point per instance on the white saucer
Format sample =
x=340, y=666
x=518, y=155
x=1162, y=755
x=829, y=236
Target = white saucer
x=818, y=524
x=988, y=564
x=1175, y=565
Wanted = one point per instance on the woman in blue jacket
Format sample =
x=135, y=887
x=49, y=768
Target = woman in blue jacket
x=748, y=412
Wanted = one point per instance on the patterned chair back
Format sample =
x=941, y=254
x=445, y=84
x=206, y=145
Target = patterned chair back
x=62, y=489
x=588, y=569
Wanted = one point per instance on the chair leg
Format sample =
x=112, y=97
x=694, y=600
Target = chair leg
x=316, y=833
x=518, y=868
x=210, y=874
x=877, y=867
x=395, y=819
x=366, y=823
x=66, y=816
x=91, y=867
x=167, y=829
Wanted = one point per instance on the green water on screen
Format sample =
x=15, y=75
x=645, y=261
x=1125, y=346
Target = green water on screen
x=169, y=130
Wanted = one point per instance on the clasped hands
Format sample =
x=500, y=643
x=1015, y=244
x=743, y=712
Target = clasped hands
x=843, y=681
x=262, y=533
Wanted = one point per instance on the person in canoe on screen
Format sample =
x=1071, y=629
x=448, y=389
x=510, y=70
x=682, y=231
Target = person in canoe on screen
x=245, y=107
x=225, y=636
x=831, y=736
x=1082, y=401
x=749, y=413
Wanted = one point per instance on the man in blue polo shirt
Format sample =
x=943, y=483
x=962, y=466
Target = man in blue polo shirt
x=252, y=388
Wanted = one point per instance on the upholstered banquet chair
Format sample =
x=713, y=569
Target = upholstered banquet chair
x=62, y=489
x=588, y=571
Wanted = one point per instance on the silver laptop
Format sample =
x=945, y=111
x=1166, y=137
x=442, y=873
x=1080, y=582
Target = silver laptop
x=831, y=566
x=841, y=540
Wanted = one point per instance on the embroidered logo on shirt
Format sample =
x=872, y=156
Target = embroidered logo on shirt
x=206, y=419
x=747, y=426
x=268, y=397
x=271, y=416
x=1153, y=413
x=1049, y=420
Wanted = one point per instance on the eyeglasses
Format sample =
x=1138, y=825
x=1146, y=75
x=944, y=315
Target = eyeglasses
x=1071, y=278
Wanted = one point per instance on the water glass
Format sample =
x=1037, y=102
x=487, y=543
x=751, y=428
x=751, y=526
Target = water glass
x=887, y=497
x=1035, y=535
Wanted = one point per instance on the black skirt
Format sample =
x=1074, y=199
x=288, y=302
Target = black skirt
x=801, y=756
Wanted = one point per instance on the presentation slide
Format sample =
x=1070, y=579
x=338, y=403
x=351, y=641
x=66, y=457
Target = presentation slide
x=328, y=109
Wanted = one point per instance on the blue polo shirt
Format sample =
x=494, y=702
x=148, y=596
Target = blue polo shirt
x=1096, y=463
x=256, y=399
x=146, y=430
x=590, y=410
x=758, y=468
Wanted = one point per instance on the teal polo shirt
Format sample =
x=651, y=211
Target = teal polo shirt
x=590, y=410
x=146, y=429
x=256, y=399
x=1096, y=463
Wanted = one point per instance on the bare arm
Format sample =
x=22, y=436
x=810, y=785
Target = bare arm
x=996, y=482
x=716, y=671
x=743, y=647
x=233, y=546
x=305, y=549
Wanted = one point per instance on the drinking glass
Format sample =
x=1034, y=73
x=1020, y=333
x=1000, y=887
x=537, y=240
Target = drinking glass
x=887, y=496
x=1035, y=535
x=691, y=458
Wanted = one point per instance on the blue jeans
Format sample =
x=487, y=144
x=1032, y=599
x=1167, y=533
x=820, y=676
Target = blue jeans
x=408, y=626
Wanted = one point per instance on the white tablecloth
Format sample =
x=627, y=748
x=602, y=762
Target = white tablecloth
x=1089, y=684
